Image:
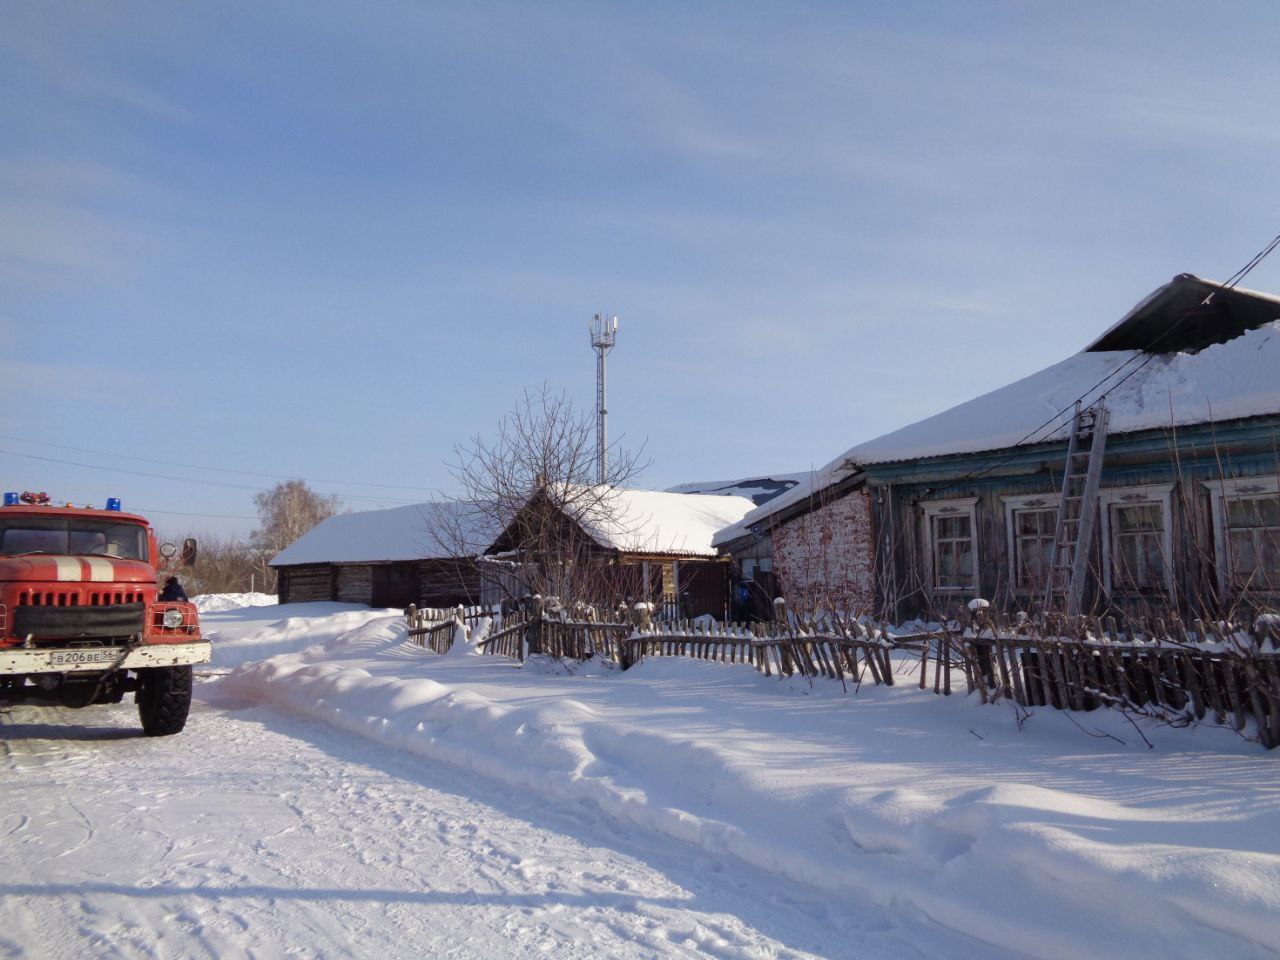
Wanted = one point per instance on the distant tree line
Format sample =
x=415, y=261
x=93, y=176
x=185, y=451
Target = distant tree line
x=230, y=563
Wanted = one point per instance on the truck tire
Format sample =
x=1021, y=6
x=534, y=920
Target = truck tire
x=164, y=700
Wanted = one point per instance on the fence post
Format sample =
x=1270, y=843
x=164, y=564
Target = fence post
x=533, y=628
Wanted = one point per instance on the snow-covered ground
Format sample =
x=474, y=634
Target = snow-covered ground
x=678, y=808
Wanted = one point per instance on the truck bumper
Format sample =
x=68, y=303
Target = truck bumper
x=98, y=659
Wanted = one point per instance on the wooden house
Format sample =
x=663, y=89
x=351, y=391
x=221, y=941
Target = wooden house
x=636, y=544
x=964, y=504
x=419, y=554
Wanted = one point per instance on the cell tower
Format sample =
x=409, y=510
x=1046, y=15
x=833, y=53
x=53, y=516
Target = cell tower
x=604, y=334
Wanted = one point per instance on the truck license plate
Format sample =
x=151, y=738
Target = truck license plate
x=67, y=658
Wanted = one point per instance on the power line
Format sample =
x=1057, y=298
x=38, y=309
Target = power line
x=147, y=511
x=195, y=466
x=1146, y=354
x=162, y=476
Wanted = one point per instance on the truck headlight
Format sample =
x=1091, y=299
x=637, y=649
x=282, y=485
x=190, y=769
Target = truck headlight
x=172, y=619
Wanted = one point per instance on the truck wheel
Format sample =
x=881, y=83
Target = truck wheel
x=164, y=699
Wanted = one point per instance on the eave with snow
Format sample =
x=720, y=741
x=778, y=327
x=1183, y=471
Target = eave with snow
x=1191, y=379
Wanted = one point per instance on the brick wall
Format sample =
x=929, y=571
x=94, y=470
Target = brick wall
x=826, y=556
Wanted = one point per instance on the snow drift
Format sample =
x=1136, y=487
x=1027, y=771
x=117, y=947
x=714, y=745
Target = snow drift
x=1041, y=838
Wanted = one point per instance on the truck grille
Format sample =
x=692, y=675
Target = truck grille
x=63, y=598
x=50, y=621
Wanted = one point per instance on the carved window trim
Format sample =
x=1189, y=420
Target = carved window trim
x=931, y=509
x=1013, y=505
x=1220, y=491
x=1159, y=494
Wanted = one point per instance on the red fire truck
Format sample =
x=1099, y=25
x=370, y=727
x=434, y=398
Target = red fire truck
x=81, y=621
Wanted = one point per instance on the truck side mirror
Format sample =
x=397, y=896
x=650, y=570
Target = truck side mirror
x=189, y=552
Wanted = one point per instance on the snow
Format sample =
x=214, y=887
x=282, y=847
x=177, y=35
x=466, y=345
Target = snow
x=263, y=833
x=759, y=490
x=218, y=602
x=1222, y=382
x=1142, y=304
x=356, y=794
x=1039, y=836
x=421, y=531
x=806, y=485
x=652, y=521
x=636, y=520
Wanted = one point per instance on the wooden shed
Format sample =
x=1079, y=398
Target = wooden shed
x=655, y=546
x=416, y=554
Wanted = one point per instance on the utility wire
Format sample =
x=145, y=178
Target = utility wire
x=147, y=511
x=196, y=466
x=162, y=476
x=1146, y=354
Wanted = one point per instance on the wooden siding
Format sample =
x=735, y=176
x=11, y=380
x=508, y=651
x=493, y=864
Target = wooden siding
x=354, y=583
x=1185, y=460
x=447, y=583
x=427, y=583
x=304, y=583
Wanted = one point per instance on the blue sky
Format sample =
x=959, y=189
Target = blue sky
x=331, y=240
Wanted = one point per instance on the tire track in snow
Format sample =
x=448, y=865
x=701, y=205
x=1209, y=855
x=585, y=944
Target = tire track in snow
x=258, y=833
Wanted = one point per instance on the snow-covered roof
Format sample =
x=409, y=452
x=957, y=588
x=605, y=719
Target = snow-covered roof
x=652, y=521
x=1143, y=391
x=759, y=489
x=420, y=531
x=806, y=484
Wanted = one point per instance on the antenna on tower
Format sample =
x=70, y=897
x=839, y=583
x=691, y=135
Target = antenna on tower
x=604, y=334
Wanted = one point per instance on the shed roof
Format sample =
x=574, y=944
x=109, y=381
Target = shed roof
x=420, y=531
x=652, y=521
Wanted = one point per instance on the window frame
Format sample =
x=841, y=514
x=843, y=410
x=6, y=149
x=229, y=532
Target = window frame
x=1160, y=494
x=960, y=506
x=1220, y=491
x=1013, y=505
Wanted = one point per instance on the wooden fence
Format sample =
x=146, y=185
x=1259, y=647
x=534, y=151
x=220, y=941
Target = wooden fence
x=1180, y=672
x=1183, y=673
x=769, y=648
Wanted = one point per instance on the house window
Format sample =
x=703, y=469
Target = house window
x=952, y=547
x=1137, y=543
x=1137, y=552
x=1253, y=542
x=1033, y=546
x=1031, y=523
x=1246, y=519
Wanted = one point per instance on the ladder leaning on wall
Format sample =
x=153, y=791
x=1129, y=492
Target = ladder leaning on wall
x=1078, y=508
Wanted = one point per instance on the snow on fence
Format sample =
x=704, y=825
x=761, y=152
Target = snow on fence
x=810, y=649
x=806, y=650
x=434, y=627
x=1155, y=666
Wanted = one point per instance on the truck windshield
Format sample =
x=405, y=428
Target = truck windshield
x=72, y=535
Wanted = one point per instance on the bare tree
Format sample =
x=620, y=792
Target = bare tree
x=287, y=511
x=532, y=487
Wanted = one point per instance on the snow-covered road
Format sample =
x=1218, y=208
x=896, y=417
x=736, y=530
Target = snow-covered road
x=257, y=833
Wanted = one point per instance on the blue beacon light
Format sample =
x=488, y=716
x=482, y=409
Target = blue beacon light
x=113, y=503
x=11, y=499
